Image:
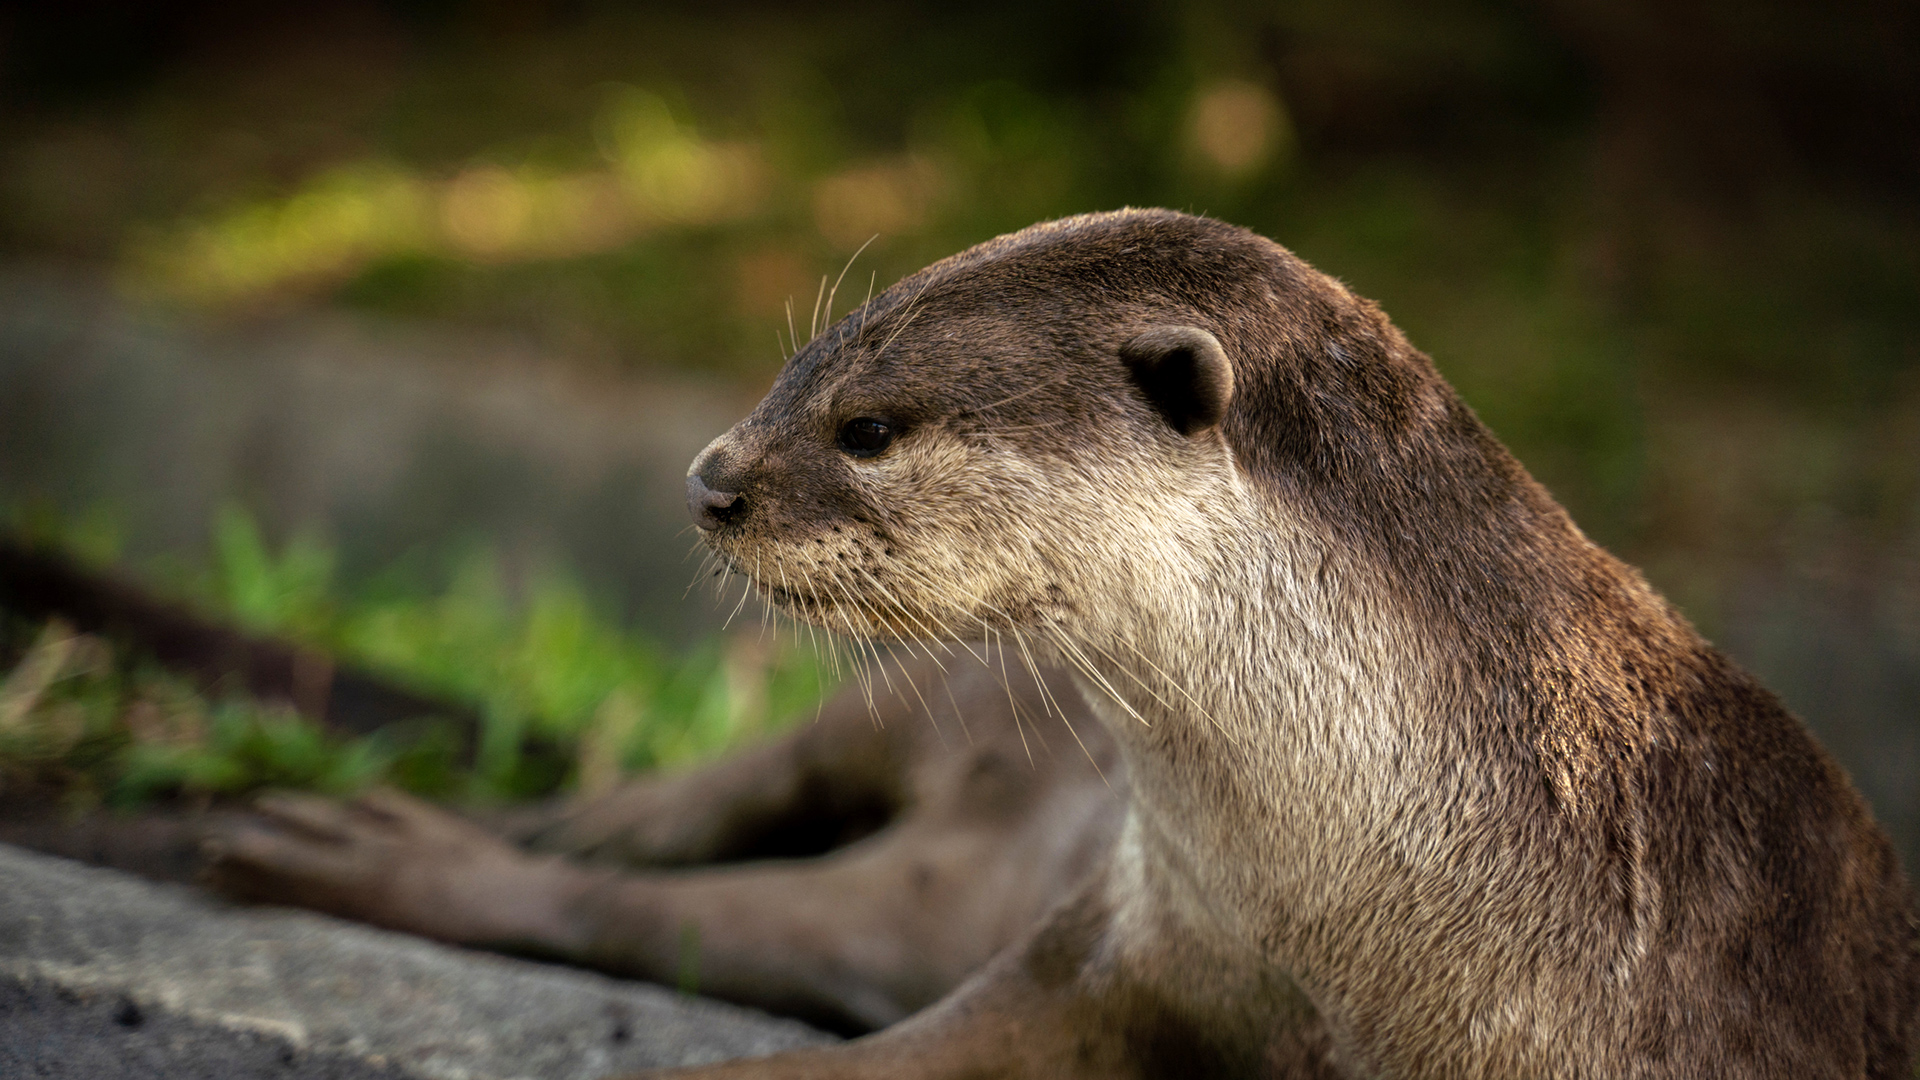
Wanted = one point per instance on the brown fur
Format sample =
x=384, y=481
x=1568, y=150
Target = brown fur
x=1424, y=783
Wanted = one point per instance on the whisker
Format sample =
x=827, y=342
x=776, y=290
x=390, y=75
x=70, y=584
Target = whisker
x=699, y=574
x=744, y=593
x=860, y=672
x=835, y=291
x=940, y=593
x=1046, y=695
x=998, y=432
x=1007, y=684
x=872, y=646
x=907, y=677
x=887, y=594
x=1171, y=681
x=1086, y=667
x=959, y=713
x=1035, y=388
x=907, y=314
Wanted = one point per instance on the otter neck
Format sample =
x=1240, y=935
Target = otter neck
x=1273, y=688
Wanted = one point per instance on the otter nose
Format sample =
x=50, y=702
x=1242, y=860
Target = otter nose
x=711, y=509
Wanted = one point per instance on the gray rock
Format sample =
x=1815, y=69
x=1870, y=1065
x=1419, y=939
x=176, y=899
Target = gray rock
x=89, y=955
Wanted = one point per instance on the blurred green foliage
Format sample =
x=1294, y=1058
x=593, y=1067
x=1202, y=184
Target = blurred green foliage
x=95, y=727
x=537, y=661
x=543, y=662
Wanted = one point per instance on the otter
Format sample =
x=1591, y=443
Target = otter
x=1417, y=780
x=1423, y=782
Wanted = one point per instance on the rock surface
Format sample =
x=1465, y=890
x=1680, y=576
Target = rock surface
x=102, y=974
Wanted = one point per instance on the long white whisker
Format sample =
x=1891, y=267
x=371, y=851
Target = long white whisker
x=700, y=574
x=958, y=713
x=1046, y=696
x=872, y=278
x=887, y=595
x=1014, y=705
x=907, y=314
x=744, y=593
x=1087, y=667
x=872, y=646
x=1035, y=388
x=1171, y=681
x=907, y=677
x=859, y=668
x=835, y=291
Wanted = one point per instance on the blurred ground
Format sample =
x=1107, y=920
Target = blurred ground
x=411, y=274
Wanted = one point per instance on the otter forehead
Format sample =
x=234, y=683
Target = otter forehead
x=1046, y=307
x=943, y=366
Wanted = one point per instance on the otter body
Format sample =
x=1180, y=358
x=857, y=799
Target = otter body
x=1423, y=782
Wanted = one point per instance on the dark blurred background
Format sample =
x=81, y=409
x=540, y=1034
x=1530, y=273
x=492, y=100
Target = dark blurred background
x=410, y=277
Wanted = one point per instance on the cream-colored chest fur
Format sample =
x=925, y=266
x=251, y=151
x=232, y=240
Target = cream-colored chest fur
x=1298, y=804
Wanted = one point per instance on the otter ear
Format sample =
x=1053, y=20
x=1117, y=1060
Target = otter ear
x=1184, y=374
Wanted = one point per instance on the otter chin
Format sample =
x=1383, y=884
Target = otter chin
x=1423, y=783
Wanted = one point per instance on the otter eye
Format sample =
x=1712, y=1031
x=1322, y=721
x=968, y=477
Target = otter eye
x=865, y=436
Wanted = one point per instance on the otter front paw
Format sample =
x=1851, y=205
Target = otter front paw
x=396, y=862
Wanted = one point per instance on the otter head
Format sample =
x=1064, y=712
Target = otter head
x=1002, y=442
